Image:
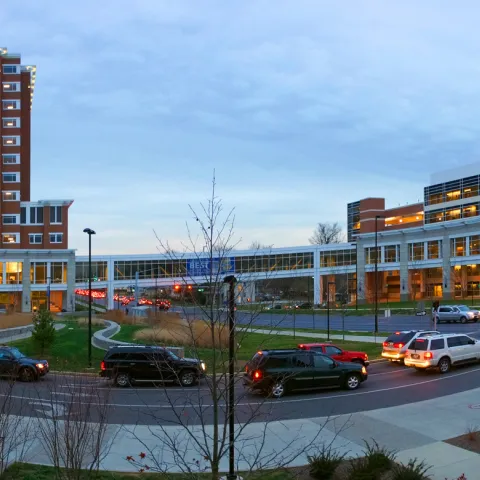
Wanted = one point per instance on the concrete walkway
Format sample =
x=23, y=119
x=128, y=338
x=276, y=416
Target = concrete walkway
x=21, y=336
x=414, y=431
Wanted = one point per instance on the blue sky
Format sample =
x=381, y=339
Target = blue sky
x=300, y=107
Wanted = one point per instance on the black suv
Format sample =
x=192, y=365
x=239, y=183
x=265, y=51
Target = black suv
x=15, y=364
x=276, y=372
x=138, y=363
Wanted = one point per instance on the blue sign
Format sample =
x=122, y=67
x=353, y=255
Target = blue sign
x=203, y=267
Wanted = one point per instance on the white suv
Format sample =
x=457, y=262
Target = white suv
x=442, y=351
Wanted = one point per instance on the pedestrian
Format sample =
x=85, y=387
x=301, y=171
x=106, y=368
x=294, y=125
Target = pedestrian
x=126, y=311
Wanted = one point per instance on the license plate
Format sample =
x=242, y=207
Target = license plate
x=415, y=356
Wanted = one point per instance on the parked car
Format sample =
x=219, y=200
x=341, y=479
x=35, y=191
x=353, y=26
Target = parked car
x=276, y=372
x=457, y=313
x=396, y=344
x=305, y=306
x=336, y=353
x=128, y=364
x=14, y=364
x=442, y=351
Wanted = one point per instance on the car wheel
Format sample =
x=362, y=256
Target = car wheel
x=463, y=320
x=277, y=390
x=122, y=380
x=187, y=378
x=352, y=381
x=26, y=375
x=444, y=365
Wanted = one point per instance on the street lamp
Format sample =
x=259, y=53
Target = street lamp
x=376, y=271
x=231, y=281
x=89, y=232
x=328, y=308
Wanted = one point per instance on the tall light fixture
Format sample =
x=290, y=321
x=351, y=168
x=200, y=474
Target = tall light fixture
x=89, y=232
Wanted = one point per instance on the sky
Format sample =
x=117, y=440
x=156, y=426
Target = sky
x=299, y=108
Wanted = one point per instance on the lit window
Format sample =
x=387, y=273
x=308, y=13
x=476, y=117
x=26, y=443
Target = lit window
x=11, y=123
x=458, y=247
x=11, y=141
x=35, y=238
x=11, y=104
x=10, y=238
x=11, y=196
x=56, y=237
x=11, y=86
x=11, y=158
x=9, y=219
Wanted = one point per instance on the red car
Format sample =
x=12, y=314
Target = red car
x=337, y=353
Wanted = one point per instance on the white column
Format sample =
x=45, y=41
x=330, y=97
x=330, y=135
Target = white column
x=110, y=284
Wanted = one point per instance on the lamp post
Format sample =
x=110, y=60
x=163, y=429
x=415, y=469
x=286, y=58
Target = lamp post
x=49, y=280
x=231, y=281
x=89, y=232
x=328, y=309
x=376, y=271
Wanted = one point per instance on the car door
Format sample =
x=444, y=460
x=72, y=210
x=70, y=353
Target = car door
x=7, y=362
x=470, y=348
x=456, y=314
x=334, y=352
x=140, y=367
x=162, y=367
x=444, y=314
x=456, y=349
x=301, y=373
x=325, y=372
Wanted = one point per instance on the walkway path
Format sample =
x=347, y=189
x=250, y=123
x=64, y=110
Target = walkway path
x=419, y=432
x=28, y=334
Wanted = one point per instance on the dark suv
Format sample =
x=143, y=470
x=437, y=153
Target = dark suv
x=138, y=363
x=14, y=363
x=276, y=372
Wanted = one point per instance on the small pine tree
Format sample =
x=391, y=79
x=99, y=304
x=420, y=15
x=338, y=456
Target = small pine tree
x=43, y=334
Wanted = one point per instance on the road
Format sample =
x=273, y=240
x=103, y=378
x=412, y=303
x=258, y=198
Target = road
x=89, y=397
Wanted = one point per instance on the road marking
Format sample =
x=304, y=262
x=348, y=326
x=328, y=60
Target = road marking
x=50, y=409
x=388, y=373
x=79, y=394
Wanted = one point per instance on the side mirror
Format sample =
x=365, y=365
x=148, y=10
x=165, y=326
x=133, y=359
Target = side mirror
x=333, y=365
x=472, y=342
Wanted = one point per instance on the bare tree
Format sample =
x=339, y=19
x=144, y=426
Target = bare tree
x=326, y=233
x=201, y=441
x=259, y=246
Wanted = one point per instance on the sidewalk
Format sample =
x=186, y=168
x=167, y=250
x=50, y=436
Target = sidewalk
x=418, y=432
x=22, y=336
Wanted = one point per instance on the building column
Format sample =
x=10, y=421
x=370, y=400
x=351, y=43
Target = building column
x=69, y=299
x=110, y=284
x=361, y=280
x=404, y=276
x=447, y=288
x=317, y=283
x=26, y=287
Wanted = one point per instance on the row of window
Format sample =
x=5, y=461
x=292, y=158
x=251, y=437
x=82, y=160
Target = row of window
x=455, y=213
x=338, y=258
x=451, y=191
x=30, y=216
x=40, y=272
x=33, y=238
x=458, y=246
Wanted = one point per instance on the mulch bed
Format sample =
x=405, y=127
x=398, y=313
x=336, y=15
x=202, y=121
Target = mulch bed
x=468, y=441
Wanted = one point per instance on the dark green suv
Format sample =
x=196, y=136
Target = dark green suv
x=276, y=372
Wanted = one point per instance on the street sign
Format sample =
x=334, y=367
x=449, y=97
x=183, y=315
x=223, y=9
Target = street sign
x=203, y=267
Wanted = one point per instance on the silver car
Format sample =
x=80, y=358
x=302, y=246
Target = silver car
x=397, y=344
x=457, y=313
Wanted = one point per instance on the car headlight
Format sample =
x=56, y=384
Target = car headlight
x=364, y=370
x=41, y=366
x=203, y=366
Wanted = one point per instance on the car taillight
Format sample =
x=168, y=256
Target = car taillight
x=428, y=355
x=246, y=368
x=102, y=365
x=397, y=345
x=257, y=375
x=385, y=344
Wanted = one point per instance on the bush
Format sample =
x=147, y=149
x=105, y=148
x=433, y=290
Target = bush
x=324, y=463
x=375, y=462
x=413, y=470
x=43, y=333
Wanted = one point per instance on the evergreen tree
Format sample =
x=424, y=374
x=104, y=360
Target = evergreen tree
x=43, y=334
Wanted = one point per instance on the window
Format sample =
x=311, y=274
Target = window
x=391, y=253
x=434, y=249
x=331, y=350
x=11, y=123
x=416, y=251
x=9, y=219
x=11, y=196
x=36, y=215
x=139, y=357
x=444, y=309
x=11, y=86
x=23, y=215
x=14, y=272
x=11, y=69
x=454, y=342
x=11, y=177
x=437, y=344
x=58, y=272
x=11, y=141
x=419, y=344
x=11, y=158
x=302, y=360
x=322, y=361
x=453, y=214
x=434, y=216
x=277, y=362
x=370, y=255
x=56, y=237
x=338, y=258
x=475, y=245
x=10, y=104
x=35, y=238
x=55, y=214
x=11, y=238
x=458, y=246
x=470, y=210
x=38, y=272
x=464, y=340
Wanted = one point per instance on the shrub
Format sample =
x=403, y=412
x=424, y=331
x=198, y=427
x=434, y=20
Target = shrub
x=375, y=462
x=413, y=470
x=43, y=333
x=324, y=463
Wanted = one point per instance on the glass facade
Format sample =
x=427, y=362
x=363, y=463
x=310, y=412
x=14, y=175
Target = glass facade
x=353, y=220
x=338, y=258
x=14, y=272
x=434, y=249
x=38, y=273
x=416, y=252
x=58, y=272
x=452, y=191
x=391, y=253
x=458, y=247
x=99, y=271
x=370, y=255
x=475, y=245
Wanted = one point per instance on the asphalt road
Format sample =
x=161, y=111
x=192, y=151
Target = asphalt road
x=91, y=397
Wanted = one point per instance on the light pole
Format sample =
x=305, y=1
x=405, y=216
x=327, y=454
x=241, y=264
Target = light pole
x=49, y=281
x=89, y=232
x=376, y=271
x=231, y=281
x=328, y=309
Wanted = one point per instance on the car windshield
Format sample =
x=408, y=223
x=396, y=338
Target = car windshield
x=17, y=353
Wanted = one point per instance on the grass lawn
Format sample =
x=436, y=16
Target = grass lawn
x=26, y=471
x=70, y=350
x=250, y=342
